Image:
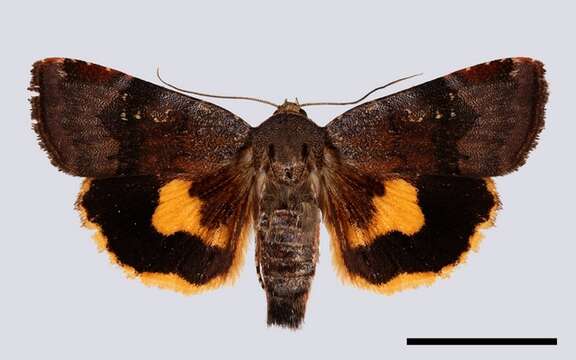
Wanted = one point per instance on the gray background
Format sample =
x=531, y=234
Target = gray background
x=60, y=298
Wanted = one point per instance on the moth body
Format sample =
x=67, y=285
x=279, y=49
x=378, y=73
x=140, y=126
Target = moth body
x=287, y=146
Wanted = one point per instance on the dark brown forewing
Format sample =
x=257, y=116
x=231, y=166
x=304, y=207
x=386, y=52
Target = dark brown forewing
x=97, y=122
x=480, y=121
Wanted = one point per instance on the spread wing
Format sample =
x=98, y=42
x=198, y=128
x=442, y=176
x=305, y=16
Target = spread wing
x=405, y=178
x=97, y=122
x=174, y=233
x=481, y=121
x=401, y=232
x=170, y=181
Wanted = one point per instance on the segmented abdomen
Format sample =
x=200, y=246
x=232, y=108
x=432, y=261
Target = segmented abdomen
x=287, y=251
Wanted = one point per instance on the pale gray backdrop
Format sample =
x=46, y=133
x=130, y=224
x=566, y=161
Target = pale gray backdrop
x=61, y=299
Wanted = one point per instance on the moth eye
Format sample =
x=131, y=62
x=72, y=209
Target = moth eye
x=271, y=151
x=304, y=151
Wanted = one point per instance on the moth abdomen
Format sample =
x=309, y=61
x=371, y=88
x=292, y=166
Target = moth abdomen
x=287, y=255
x=287, y=311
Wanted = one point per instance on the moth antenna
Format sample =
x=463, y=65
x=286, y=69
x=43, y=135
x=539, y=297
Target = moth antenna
x=212, y=95
x=363, y=97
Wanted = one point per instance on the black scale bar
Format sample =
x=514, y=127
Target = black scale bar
x=481, y=341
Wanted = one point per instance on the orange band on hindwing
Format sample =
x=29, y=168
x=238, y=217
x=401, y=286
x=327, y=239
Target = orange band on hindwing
x=396, y=210
x=178, y=211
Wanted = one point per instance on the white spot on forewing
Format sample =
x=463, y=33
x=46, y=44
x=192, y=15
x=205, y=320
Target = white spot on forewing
x=137, y=116
x=514, y=72
x=157, y=119
x=203, y=107
x=438, y=115
x=451, y=96
x=123, y=116
x=372, y=106
x=416, y=116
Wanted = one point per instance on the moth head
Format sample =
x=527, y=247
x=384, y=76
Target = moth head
x=291, y=107
x=287, y=145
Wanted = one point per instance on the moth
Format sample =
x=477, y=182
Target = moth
x=175, y=184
